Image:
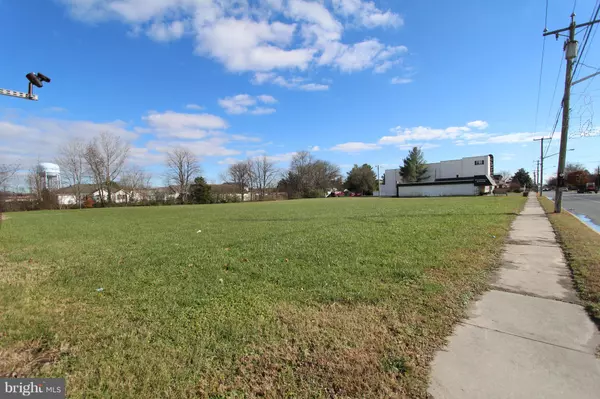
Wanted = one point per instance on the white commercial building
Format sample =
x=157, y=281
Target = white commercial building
x=467, y=176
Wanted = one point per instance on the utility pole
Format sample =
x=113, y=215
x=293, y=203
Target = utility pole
x=570, y=54
x=538, y=176
x=570, y=49
x=541, y=163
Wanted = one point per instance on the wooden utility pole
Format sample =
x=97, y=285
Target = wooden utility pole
x=541, y=163
x=537, y=180
x=570, y=55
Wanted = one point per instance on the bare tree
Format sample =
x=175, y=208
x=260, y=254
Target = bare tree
x=238, y=174
x=265, y=173
x=95, y=164
x=300, y=166
x=72, y=162
x=133, y=181
x=308, y=177
x=182, y=166
x=252, y=184
x=106, y=155
x=35, y=182
x=505, y=175
x=7, y=171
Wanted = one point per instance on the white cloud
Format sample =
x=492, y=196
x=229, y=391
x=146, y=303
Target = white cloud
x=253, y=153
x=292, y=83
x=313, y=12
x=194, y=107
x=228, y=161
x=241, y=137
x=266, y=99
x=245, y=103
x=510, y=138
x=281, y=158
x=211, y=147
x=400, y=81
x=263, y=111
x=362, y=55
x=143, y=157
x=261, y=35
x=315, y=148
x=462, y=135
x=478, y=124
x=24, y=139
x=237, y=104
x=182, y=125
x=355, y=146
x=313, y=87
x=244, y=45
x=165, y=32
x=366, y=13
x=422, y=133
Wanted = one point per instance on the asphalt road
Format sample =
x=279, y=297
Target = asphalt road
x=581, y=204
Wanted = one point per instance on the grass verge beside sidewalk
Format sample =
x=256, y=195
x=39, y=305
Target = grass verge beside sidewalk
x=581, y=246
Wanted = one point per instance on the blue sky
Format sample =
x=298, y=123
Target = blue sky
x=355, y=81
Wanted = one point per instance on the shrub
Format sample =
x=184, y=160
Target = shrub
x=88, y=203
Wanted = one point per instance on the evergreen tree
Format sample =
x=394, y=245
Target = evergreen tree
x=200, y=191
x=523, y=178
x=414, y=168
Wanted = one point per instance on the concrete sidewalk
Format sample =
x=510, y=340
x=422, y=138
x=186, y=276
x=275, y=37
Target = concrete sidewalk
x=527, y=337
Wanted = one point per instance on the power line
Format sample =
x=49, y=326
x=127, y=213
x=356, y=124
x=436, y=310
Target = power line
x=554, y=128
x=552, y=102
x=537, y=107
x=586, y=38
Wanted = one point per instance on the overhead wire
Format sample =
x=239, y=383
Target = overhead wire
x=537, y=107
x=586, y=38
x=580, y=61
x=589, y=36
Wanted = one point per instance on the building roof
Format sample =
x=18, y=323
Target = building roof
x=84, y=189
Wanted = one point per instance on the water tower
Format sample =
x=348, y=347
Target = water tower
x=50, y=175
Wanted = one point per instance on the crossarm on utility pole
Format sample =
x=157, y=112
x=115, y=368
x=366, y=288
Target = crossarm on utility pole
x=554, y=32
x=586, y=78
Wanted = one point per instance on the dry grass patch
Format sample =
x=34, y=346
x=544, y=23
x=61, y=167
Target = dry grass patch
x=25, y=359
x=581, y=246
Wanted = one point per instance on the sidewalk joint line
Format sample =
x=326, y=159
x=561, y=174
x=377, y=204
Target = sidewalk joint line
x=530, y=339
x=515, y=292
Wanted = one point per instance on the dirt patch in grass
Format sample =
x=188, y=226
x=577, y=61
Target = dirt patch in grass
x=25, y=359
x=581, y=246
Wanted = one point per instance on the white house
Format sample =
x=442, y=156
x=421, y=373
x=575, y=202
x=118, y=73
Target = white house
x=68, y=195
x=466, y=176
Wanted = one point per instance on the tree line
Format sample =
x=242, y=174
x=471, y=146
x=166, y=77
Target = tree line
x=102, y=162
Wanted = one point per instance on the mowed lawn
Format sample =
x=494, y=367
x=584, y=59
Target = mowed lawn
x=338, y=297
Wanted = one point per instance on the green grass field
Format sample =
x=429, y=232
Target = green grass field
x=339, y=297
